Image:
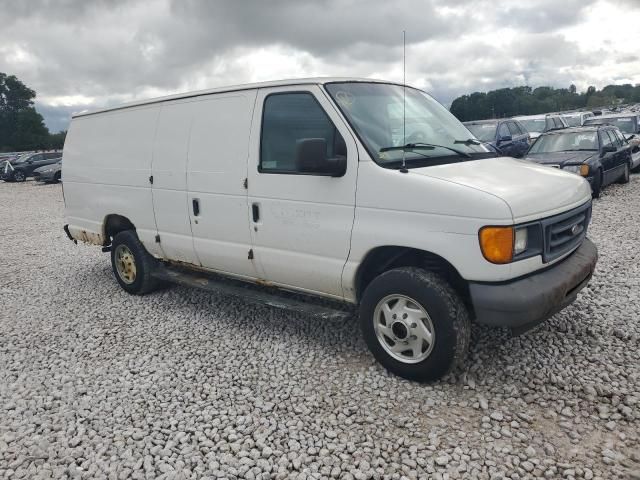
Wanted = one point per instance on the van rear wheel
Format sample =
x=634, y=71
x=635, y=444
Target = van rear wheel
x=414, y=323
x=132, y=264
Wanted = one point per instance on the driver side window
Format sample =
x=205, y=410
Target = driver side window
x=287, y=119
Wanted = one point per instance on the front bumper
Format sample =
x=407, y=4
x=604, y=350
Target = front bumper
x=47, y=176
x=525, y=302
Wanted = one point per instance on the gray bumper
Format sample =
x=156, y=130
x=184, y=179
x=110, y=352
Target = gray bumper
x=45, y=177
x=523, y=303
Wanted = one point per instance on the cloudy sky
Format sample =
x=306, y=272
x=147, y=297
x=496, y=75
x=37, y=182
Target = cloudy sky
x=81, y=54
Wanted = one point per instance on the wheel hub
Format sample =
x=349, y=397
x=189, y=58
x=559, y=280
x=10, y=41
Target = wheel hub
x=400, y=330
x=404, y=328
x=125, y=264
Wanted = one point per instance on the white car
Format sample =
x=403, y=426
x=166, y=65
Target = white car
x=576, y=119
x=536, y=125
x=309, y=186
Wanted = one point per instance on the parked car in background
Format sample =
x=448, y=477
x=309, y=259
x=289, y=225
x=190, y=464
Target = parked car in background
x=7, y=157
x=508, y=135
x=539, y=124
x=21, y=168
x=576, y=119
x=49, y=173
x=629, y=125
x=598, y=153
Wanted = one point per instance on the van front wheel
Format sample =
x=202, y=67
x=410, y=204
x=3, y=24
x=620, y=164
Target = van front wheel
x=414, y=323
x=132, y=264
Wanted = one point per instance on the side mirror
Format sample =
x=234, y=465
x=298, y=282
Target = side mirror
x=311, y=157
x=29, y=161
x=609, y=149
x=505, y=138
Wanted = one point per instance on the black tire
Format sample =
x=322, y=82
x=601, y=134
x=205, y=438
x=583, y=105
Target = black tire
x=597, y=185
x=19, y=176
x=57, y=177
x=142, y=282
x=449, y=318
x=626, y=174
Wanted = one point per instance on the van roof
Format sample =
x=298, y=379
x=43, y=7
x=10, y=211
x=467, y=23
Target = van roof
x=233, y=88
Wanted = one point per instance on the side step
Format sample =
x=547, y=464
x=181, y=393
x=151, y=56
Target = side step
x=256, y=294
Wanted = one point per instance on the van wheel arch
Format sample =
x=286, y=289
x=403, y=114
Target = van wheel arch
x=114, y=224
x=383, y=259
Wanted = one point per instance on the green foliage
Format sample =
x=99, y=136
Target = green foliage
x=56, y=140
x=508, y=102
x=21, y=127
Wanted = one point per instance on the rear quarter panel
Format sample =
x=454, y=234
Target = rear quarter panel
x=106, y=169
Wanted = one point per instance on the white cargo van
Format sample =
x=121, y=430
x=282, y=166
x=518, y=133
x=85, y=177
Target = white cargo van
x=327, y=197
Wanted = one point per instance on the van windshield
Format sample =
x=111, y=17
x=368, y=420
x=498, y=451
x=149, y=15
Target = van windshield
x=376, y=113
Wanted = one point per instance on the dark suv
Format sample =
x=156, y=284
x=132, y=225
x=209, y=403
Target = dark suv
x=22, y=167
x=601, y=154
x=508, y=135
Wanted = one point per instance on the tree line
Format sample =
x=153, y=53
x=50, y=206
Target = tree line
x=508, y=102
x=21, y=126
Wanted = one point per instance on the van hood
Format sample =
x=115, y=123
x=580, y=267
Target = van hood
x=530, y=190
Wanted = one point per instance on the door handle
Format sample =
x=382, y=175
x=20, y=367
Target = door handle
x=196, y=207
x=255, y=211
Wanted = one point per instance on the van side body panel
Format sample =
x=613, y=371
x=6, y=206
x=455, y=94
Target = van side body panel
x=169, y=187
x=302, y=237
x=216, y=173
x=107, y=165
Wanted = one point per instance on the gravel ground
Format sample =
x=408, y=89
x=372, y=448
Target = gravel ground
x=95, y=383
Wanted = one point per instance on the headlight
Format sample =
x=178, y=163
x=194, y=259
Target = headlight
x=520, y=241
x=582, y=170
x=507, y=244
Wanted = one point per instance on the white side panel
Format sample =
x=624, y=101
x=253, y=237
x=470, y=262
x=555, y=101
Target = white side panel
x=217, y=168
x=106, y=169
x=170, y=181
x=303, y=235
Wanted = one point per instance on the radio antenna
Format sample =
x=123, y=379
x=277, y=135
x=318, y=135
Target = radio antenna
x=404, y=98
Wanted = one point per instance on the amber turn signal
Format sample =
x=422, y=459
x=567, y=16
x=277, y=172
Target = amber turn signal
x=496, y=244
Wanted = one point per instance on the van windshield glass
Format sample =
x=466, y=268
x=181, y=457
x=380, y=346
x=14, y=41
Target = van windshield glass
x=375, y=111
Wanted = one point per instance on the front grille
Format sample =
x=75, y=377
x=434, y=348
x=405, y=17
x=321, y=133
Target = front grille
x=565, y=232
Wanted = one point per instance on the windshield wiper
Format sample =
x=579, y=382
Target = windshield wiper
x=411, y=147
x=579, y=150
x=475, y=141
